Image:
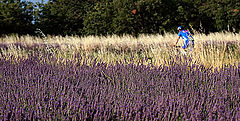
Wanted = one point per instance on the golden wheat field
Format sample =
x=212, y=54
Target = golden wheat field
x=215, y=49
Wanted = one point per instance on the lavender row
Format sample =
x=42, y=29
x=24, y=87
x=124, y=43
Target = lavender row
x=42, y=88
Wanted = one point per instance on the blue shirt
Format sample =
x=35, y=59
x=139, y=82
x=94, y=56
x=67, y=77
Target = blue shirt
x=185, y=35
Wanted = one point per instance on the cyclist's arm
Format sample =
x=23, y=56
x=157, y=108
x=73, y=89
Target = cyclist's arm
x=177, y=39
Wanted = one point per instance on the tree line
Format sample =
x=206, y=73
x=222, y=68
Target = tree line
x=134, y=17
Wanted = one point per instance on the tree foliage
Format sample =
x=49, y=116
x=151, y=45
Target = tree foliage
x=224, y=13
x=99, y=18
x=62, y=16
x=95, y=17
x=16, y=17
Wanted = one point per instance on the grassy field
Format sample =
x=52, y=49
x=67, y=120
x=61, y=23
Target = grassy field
x=215, y=49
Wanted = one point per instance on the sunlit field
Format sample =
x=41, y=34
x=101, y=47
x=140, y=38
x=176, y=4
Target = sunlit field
x=216, y=49
x=119, y=78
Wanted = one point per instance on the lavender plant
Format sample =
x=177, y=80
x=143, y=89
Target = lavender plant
x=41, y=88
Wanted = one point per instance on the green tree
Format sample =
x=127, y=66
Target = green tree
x=98, y=19
x=156, y=16
x=124, y=21
x=94, y=17
x=129, y=17
x=63, y=17
x=16, y=17
x=224, y=14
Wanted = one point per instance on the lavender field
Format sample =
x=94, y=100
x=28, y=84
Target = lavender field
x=42, y=88
x=119, y=78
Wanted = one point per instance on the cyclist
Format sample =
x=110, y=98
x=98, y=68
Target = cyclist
x=186, y=36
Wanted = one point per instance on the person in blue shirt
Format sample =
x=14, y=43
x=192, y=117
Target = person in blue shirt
x=186, y=36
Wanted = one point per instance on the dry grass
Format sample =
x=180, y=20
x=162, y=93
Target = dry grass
x=215, y=49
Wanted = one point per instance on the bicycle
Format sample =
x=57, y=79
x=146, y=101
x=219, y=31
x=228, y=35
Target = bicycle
x=178, y=50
